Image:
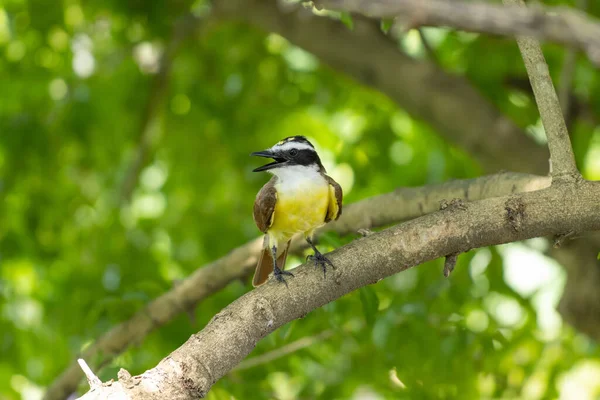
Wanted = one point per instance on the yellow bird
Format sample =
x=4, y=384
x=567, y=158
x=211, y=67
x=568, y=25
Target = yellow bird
x=299, y=198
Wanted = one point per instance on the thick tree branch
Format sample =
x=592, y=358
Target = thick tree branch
x=561, y=151
x=448, y=103
x=190, y=371
x=402, y=204
x=557, y=24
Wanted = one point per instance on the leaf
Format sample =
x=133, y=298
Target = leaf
x=386, y=24
x=346, y=19
x=370, y=303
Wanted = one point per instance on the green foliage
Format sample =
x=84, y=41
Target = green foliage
x=370, y=303
x=77, y=79
x=386, y=25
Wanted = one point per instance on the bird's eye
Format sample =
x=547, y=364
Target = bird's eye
x=293, y=152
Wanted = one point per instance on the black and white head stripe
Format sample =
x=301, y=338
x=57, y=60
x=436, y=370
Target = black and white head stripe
x=293, y=142
x=297, y=150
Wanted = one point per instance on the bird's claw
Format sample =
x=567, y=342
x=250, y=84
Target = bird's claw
x=278, y=273
x=320, y=260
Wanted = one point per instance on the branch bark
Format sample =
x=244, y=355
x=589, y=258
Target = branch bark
x=561, y=151
x=402, y=204
x=190, y=371
x=557, y=24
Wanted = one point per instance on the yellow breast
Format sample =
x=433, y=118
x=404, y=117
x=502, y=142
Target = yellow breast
x=300, y=210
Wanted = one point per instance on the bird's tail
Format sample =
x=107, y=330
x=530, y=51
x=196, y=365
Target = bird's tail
x=265, y=264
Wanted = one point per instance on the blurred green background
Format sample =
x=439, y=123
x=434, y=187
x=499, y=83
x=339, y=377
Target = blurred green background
x=125, y=130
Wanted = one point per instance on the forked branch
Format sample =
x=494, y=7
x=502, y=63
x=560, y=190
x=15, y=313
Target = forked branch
x=563, y=165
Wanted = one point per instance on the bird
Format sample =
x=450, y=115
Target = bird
x=299, y=198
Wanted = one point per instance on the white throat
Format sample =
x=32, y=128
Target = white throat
x=295, y=176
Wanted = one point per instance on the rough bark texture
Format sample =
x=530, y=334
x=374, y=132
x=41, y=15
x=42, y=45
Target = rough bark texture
x=402, y=204
x=190, y=371
x=558, y=24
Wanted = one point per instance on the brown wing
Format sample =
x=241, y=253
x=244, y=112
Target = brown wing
x=265, y=205
x=334, y=210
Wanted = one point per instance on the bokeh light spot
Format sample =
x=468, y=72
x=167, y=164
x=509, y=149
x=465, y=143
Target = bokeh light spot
x=74, y=15
x=58, y=39
x=147, y=56
x=401, y=153
x=149, y=206
x=180, y=104
x=344, y=175
x=477, y=321
x=84, y=63
x=504, y=309
x=299, y=59
x=275, y=43
x=15, y=51
x=154, y=176
x=57, y=89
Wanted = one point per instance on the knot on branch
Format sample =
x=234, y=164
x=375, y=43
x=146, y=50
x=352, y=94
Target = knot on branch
x=123, y=375
x=263, y=308
x=364, y=232
x=190, y=385
x=454, y=204
x=126, y=380
x=515, y=213
x=450, y=263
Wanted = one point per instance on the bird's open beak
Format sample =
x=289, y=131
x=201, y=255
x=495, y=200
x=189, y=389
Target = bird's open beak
x=268, y=154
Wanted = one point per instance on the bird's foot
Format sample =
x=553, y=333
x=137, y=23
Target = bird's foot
x=278, y=273
x=320, y=260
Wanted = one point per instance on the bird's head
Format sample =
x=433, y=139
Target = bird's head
x=290, y=152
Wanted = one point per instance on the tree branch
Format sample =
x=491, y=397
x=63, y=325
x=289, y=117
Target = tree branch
x=557, y=24
x=559, y=143
x=402, y=204
x=448, y=103
x=92, y=379
x=190, y=371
